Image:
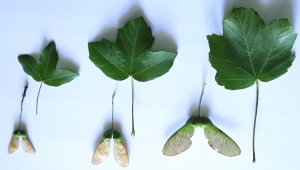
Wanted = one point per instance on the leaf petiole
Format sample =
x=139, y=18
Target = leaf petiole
x=112, y=110
x=132, y=104
x=23, y=96
x=201, y=99
x=254, y=126
x=37, y=98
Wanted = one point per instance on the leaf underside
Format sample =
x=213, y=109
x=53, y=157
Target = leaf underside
x=250, y=50
x=217, y=139
x=179, y=141
x=120, y=154
x=131, y=54
x=101, y=152
x=45, y=69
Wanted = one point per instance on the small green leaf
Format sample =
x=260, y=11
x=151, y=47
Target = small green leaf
x=45, y=69
x=179, y=141
x=250, y=50
x=131, y=55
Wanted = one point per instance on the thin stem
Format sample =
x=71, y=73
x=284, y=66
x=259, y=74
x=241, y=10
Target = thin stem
x=23, y=96
x=132, y=104
x=37, y=98
x=112, y=110
x=254, y=126
x=201, y=99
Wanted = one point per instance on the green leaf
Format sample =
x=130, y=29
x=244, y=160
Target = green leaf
x=131, y=54
x=250, y=50
x=179, y=141
x=45, y=69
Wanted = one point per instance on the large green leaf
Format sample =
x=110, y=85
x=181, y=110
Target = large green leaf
x=45, y=69
x=131, y=54
x=250, y=50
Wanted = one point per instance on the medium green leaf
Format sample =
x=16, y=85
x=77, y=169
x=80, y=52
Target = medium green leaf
x=131, y=55
x=179, y=141
x=249, y=50
x=45, y=69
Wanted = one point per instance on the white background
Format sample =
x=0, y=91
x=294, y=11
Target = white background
x=73, y=117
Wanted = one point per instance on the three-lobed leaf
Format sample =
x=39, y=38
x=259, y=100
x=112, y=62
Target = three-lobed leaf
x=45, y=69
x=250, y=50
x=131, y=54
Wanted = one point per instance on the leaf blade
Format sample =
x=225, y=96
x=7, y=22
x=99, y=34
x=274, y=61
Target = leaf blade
x=30, y=67
x=261, y=51
x=45, y=69
x=48, y=59
x=153, y=65
x=135, y=38
x=130, y=55
x=60, y=76
x=229, y=73
x=108, y=61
